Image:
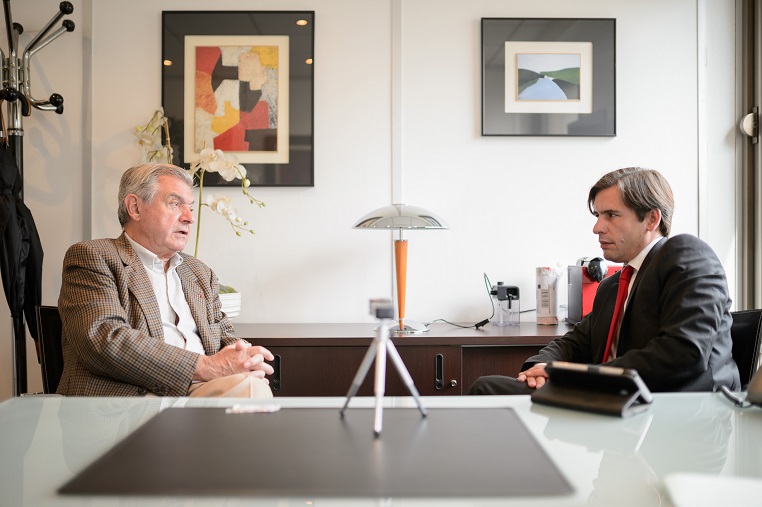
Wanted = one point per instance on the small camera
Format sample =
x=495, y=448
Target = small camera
x=381, y=308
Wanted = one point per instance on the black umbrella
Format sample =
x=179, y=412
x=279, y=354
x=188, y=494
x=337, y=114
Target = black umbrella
x=20, y=251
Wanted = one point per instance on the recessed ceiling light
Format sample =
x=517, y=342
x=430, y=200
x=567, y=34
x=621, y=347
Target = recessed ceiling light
x=308, y=61
x=167, y=63
x=302, y=22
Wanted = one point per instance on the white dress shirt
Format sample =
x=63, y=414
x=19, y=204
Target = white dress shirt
x=177, y=321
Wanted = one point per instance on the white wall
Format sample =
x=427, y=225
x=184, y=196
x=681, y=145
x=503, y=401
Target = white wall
x=53, y=160
x=513, y=203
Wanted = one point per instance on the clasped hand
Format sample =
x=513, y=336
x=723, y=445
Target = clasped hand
x=535, y=376
x=239, y=357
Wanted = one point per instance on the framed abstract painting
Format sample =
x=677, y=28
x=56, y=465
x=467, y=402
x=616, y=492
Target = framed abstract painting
x=548, y=77
x=242, y=82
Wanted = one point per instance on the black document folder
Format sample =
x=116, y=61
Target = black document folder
x=601, y=389
x=314, y=452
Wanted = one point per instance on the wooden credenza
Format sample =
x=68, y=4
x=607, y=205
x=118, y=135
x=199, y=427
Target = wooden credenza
x=322, y=359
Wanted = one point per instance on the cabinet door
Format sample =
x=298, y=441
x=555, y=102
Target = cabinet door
x=329, y=371
x=478, y=361
x=436, y=370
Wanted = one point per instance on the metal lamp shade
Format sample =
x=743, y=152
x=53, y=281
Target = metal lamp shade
x=401, y=216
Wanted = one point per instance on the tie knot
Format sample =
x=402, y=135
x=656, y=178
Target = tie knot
x=626, y=274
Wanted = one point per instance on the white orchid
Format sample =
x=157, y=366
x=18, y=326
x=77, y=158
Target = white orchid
x=217, y=202
x=230, y=169
x=209, y=160
x=227, y=166
x=220, y=204
x=149, y=138
x=215, y=161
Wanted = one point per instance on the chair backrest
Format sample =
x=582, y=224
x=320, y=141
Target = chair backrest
x=51, y=353
x=745, y=333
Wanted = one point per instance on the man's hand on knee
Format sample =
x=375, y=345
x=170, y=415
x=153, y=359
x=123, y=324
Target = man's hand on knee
x=534, y=377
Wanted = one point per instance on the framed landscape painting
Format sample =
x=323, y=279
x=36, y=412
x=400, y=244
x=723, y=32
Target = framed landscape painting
x=242, y=82
x=548, y=77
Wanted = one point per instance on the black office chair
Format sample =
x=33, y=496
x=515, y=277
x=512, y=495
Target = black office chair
x=51, y=353
x=745, y=333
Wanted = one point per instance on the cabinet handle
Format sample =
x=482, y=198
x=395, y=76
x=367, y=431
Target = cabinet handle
x=439, y=372
x=275, y=379
x=454, y=383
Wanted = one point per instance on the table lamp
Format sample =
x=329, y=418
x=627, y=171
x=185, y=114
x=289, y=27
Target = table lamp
x=401, y=216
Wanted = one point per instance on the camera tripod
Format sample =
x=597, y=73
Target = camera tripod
x=379, y=349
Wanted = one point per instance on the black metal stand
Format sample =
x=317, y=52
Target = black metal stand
x=379, y=349
x=16, y=92
x=19, y=329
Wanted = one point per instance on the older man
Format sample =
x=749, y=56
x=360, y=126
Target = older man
x=675, y=325
x=142, y=318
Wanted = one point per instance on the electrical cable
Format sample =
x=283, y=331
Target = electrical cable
x=479, y=324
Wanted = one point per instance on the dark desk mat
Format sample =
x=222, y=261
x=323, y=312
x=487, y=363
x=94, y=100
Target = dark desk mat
x=314, y=452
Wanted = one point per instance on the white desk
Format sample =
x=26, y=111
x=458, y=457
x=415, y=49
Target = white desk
x=45, y=441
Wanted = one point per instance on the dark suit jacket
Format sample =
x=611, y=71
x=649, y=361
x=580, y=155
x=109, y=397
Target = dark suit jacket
x=113, y=343
x=676, y=329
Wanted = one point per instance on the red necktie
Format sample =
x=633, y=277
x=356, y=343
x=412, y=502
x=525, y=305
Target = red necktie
x=621, y=297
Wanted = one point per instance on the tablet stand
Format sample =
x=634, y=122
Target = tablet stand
x=594, y=388
x=379, y=348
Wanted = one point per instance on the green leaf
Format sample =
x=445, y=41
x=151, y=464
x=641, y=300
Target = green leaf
x=226, y=289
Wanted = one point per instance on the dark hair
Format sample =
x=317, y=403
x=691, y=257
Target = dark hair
x=642, y=190
x=142, y=180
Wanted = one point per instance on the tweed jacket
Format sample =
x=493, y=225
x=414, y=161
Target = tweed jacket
x=676, y=328
x=113, y=343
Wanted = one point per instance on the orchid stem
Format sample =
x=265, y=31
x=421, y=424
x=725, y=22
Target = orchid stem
x=169, y=143
x=198, y=216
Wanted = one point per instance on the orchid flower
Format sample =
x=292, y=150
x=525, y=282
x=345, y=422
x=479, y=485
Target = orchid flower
x=209, y=160
x=149, y=138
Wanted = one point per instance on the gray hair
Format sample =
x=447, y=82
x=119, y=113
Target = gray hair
x=143, y=181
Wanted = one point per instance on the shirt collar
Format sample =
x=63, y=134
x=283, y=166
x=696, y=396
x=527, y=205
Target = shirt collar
x=638, y=260
x=150, y=260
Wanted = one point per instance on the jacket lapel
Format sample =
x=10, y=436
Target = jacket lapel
x=624, y=336
x=194, y=295
x=645, y=264
x=140, y=287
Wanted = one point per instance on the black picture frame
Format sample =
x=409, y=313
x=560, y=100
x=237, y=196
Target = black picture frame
x=298, y=169
x=600, y=117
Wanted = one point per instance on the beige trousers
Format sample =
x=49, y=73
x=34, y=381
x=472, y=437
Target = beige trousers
x=232, y=386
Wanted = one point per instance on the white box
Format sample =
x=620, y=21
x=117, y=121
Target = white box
x=547, y=295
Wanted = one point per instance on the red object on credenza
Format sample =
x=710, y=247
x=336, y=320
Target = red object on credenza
x=581, y=293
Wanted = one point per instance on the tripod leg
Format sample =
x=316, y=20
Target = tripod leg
x=402, y=369
x=380, y=384
x=360, y=375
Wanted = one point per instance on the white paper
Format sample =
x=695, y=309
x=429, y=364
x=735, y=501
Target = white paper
x=698, y=490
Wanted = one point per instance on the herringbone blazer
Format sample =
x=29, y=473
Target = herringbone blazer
x=113, y=343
